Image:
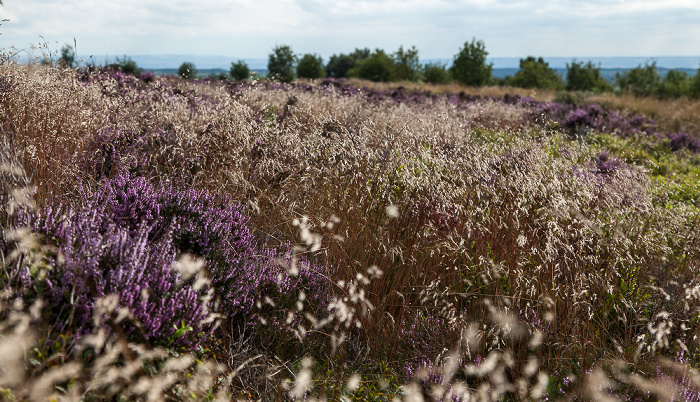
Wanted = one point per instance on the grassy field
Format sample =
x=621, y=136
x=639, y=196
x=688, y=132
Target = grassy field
x=177, y=239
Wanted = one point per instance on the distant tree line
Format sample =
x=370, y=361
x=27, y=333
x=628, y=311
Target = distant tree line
x=469, y=67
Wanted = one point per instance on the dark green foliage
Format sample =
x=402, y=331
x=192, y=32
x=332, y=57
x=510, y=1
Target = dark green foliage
x=377, y=67
x=339, y=65
x=535, y=73
x=280, y=65
x=406, y=64
x=640, y=81
x=694, y=90
x=674, y=85
x=127, y=65
x=239, y=70
x=585, y=77
x=469, y=66
x=187, y=70
x=310, y=66
x=435, y=73
x=67, y=56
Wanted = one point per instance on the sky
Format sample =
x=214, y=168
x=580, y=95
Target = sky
x=249, y=29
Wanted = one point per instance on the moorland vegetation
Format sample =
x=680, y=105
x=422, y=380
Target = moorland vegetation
x=173, y=238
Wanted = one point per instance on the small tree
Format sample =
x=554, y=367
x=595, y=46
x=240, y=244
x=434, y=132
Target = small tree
x=310, y=66
x=280, y=64
x=127, y=65
x=67, y=56
x=187, y=70
x=675, y=84
x=339, y=65
x=406, y=64
x=535, y=73
x=694, y=90
x=378, y=67
x=585, y=77
x=469, y=66
x=239, y=70
x=640, y=81
x=435, y=73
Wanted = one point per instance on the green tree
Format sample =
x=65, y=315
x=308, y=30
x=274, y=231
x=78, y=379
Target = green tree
x=127, y=65
x=435, y=73
x=469, y=66
x=406, y=64
x=675, y=84
x=239, y=70
x=310, y=66
x=67, y=56
x=187, y=70
x=694, y=90
x=640, y=81
x=339, y=65
x=535, y=73
x=280, y=64
x=585, y=77
x=377, y=67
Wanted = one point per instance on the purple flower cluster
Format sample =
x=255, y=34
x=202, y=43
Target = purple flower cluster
x=124, y=239
x=99, y=257
x=681, y=140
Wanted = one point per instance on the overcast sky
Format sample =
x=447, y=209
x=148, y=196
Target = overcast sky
x=438, y=28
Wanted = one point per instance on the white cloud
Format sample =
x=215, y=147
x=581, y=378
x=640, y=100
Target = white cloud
x=249, y=28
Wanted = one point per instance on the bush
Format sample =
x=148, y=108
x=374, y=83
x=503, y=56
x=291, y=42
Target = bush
x=640, y=81
x=126, y=65
x=310, y=66
x=280, y=64
x=694, y=89
x=674, y=85
x=469, y=66
x=435, y=73
x=585, y=77
x=239, y=70
x=378, y=67
x=67, y=56
x=339, y=65
x=187, y=70
x=535, y=73
x=406, y=64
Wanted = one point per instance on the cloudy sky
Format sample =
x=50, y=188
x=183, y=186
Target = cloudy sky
x=438, y=28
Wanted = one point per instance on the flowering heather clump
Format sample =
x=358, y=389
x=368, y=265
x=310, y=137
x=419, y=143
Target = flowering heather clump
x=682, y=140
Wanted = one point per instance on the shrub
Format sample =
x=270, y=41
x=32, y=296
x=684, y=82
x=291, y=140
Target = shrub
x=435, y=73
x=187, y=70
x=280, y=63
x=310, y=66
x=339, y=65
x=535, y=73
x=126, y=65
x=406, y=64
x=239, y=70
x=640, y=81
x=694, y=90
x=469, y=66
x=585, y=77
x=67, y=56
x=674, y=85
x=377, y=67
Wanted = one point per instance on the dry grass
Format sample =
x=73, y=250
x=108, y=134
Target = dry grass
x=454, y=87
x=673, y=115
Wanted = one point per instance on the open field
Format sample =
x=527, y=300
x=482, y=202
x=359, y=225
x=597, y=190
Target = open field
x=178, y=239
